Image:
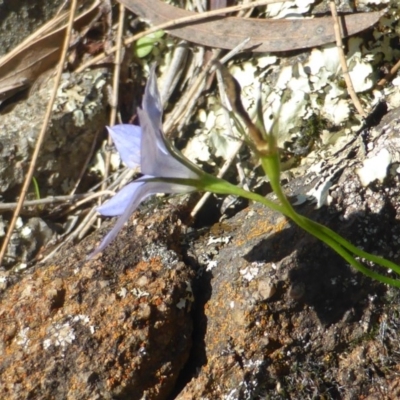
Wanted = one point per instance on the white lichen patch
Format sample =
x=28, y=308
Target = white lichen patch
x=375, y=168
x=320, y=193
x=22, y=338
x=19, y=224
x=78, y=117
x=139, y=293
x=289, y=9
x=59, y=335
x=232, y=395
x=249, y=273
x=3, y=281
x=122, y=292
x=336, y=110
x=81, y=317
x=26, y=232
x=376, y=2
x=63, y=334
x=221, y=239
x=20, y=267
x=293, y=91
x=189, y=298
x=211, y=265
x=181, y=303
x=197, y=149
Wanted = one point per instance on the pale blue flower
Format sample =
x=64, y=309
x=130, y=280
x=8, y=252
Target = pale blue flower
x=164, y=168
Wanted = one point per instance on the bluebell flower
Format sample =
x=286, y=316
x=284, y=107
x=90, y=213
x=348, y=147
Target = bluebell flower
x=164, y=168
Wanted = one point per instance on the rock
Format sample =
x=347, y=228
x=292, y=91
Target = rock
x=117, y=327
x=78, y=114
x=316, y=333
x=275, y=313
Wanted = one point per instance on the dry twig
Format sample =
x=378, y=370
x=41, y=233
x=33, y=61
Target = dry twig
x=71, y=198
x=174, y=71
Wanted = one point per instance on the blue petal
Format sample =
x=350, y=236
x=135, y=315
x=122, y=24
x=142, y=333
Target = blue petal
x=130, y=208
x=127, y=140
x=151, y=99
x=152, y=106
x=120, y=201
x=156, y=162
x=136, y=192
x=157, y=157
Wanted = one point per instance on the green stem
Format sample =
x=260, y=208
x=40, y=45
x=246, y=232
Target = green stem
x=335, y=241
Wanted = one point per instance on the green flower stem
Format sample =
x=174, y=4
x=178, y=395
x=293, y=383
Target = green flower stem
x=345, y=249
x=353, y=249
x=266, y=147
x=336, y=242
x=223, y=187
x=220, y=186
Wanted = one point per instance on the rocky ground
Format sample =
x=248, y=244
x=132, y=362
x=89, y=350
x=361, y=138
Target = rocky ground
x=252, y=308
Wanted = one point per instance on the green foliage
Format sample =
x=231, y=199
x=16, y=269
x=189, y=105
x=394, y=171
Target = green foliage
x=36, y=188
x=144, y=46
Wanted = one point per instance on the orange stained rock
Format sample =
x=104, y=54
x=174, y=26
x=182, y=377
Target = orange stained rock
x=262, y=227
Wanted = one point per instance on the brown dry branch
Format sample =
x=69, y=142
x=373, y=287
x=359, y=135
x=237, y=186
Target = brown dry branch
x=174, y=72
x=342, y=58
x=266, y=35
x=189, y=99
x=314, y=32
x=47, y=200
x=175, y=22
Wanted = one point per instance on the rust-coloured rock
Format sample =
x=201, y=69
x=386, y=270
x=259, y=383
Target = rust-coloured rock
x=116, y=327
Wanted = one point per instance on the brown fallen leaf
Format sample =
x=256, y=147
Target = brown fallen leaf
x=37, y=53
x=266, y=35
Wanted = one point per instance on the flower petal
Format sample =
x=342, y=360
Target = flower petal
x=127, y=140
x=158, y=157
x=151, y=104
x=151, y=100
x=130, y=208
x=120, y=201
x=129, y=201
x=154, y=161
